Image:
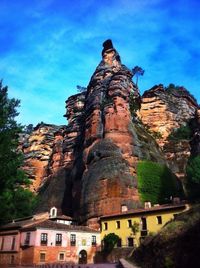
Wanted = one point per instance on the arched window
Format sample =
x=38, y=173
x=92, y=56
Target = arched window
x=53, y=212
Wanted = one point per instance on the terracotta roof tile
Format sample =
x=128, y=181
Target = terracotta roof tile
x=48, y=224
x=145, y=210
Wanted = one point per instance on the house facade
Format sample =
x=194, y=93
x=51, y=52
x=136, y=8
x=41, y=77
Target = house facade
x=134, y=225
x=32, y=242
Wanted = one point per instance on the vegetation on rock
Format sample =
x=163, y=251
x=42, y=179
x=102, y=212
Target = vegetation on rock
x=182, y=133
x=134, y=104
x=156, y=183
x=15, y=200
x=193, y=178
x=137, y=71
x=179, y=91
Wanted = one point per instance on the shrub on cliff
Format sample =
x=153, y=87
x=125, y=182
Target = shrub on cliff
x=156, y=183
x=193, y=178
x=182, y=133
x=14, y=199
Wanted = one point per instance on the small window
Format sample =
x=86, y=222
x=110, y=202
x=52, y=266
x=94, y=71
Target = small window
x=118, y=224
x=159, y=219
x=44, y=239
x=53, y=212
x=13, y=243
x=58, y=239
x=42, y=256
x=124, y=208
x=94, y=240
x=119, y=243
x=130, y=242
x=73, y=240
x=105, y=226
x=61, y=256
x=2, y=243
x=27, y=239
x=129, y=223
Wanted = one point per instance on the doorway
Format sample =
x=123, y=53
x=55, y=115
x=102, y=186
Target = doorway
x=82, y=257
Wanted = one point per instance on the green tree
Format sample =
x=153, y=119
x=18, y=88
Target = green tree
x=182, y=133
x=156, y=183
x=109, y=241
x=12, y=179
x=193, y=178
x=137, y=71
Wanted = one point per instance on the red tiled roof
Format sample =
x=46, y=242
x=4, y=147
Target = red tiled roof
x=62, y=217
x=48, y=224
x=166, y=207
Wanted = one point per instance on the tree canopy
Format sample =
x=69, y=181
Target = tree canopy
x=193, y=178
x=15, y=199
x=156, y=183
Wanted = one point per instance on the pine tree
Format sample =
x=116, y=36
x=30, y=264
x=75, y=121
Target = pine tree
x=13, y=181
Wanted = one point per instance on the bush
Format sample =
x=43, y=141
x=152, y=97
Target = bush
x=193, y=178
x=156, y=183
x=109, y=241
x=182, y=133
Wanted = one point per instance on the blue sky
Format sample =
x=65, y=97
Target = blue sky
x=47, y=47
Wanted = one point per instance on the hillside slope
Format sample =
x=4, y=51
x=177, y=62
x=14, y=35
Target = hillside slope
x=177, y=245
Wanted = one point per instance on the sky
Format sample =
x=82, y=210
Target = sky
x=48, y=47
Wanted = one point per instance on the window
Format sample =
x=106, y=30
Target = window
x=119, y=243
x=43, y=240
x=61, y=256
x=144, y=223
x=42, y=256
x=94, y=240
x=105, y=226
x=159, y=219
x=27, y=239
x=73, y=240
x=53, y=212
x=124, y=208
x=130, y=242
x=58, y=239
x=2, y=243
x=118, y=224
x=13, y=243
x=129, y=223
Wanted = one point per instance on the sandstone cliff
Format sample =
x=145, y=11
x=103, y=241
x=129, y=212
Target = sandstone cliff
x=162, y=111
x=88, y=168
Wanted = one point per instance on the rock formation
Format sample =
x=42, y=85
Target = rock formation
x=162, y=111
x=88, y=168
x=37, y=148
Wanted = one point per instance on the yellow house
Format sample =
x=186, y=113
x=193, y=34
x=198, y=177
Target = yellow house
x=134, y=225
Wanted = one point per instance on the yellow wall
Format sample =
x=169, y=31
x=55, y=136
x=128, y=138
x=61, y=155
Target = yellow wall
x=124, y=231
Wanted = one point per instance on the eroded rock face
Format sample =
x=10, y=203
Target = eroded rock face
x=162, y=112
x=40, y=149
x=195, y=141
x=112, y=142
